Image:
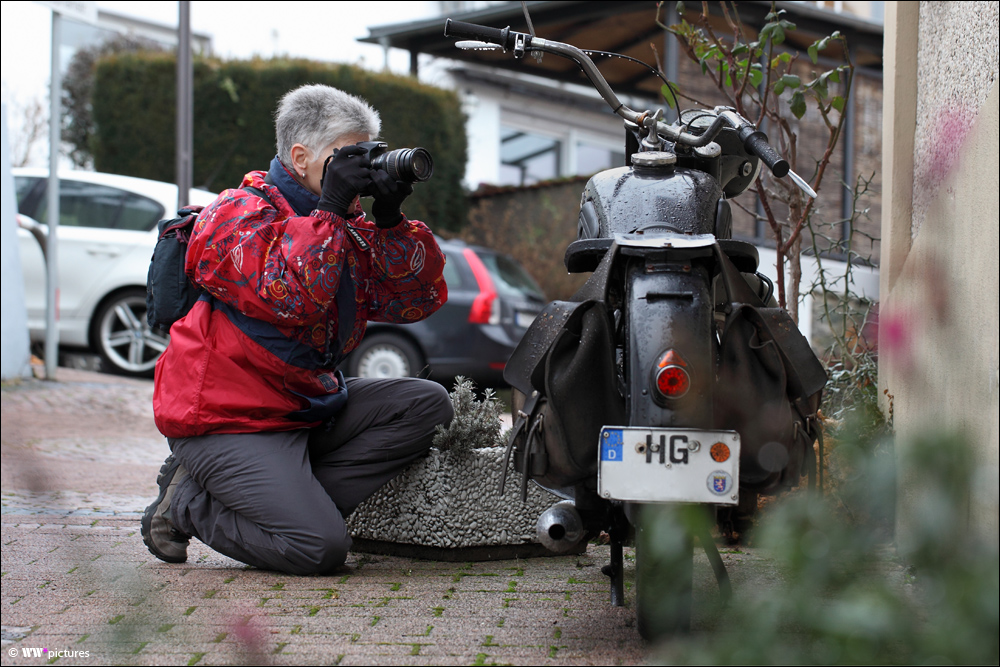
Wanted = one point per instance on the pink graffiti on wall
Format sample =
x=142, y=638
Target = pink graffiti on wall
x=943, y=154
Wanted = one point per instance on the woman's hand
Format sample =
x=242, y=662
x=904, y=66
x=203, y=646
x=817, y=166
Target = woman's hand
x=346, y=174
x=389, y=195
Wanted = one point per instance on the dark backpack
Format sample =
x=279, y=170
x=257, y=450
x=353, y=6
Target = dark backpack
x=169, y=292
x=769, y=389
x=569, y=346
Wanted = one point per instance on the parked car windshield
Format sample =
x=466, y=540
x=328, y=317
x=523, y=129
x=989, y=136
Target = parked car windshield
x=511, y=278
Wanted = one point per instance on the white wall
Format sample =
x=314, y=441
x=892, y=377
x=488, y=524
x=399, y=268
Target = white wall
x=864, y=282
x=483, y=130
x=13, y=315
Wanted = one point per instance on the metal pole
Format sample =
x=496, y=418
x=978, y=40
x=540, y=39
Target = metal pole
x=185, y=105
x=51, y=245
x=848, y=143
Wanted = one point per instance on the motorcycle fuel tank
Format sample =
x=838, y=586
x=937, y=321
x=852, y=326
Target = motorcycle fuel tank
x=648, y=200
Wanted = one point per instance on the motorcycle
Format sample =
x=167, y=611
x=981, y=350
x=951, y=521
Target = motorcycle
x=669, y=383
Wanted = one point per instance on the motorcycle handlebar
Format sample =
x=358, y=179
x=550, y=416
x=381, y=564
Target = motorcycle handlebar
x=504, y=37
x=754, y=141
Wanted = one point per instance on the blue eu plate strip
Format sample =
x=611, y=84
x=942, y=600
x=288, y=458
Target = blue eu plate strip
x=611, y=444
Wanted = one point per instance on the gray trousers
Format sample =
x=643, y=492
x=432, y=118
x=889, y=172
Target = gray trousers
x=278, y=500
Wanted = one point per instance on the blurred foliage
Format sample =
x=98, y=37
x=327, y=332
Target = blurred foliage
x=79, y=128
x=846, y=596
x=134, y=116
x=476, y=424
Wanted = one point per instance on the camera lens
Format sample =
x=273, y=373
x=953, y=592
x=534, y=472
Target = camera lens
x=406, y=164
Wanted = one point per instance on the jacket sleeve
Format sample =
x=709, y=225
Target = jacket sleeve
x=406, y=272
x=265, y=261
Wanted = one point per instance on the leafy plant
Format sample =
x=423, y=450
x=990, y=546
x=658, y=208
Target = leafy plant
x=476, y=423
x=851, y=355
x=770, y=86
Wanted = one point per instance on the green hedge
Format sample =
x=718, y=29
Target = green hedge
x=134, y=109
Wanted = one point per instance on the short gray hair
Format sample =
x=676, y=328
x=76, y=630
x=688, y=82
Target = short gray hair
x=317, y=115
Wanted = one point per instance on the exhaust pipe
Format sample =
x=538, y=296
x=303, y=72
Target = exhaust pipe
x=560, y=527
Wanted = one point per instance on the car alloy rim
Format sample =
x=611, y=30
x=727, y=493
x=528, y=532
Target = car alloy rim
x=383, y=361
x=128, y=340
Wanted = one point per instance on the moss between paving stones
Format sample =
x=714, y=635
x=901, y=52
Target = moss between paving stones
x=451, y=500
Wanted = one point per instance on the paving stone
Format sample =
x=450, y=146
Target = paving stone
x=79, y=462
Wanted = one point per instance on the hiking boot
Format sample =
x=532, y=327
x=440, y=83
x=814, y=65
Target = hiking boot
x=158, y=532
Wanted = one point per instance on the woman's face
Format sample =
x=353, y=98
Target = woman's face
x=309, y=166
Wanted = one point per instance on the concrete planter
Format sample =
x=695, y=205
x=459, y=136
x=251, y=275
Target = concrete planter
x=447, y=506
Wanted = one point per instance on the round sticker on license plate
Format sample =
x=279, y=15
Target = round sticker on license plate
x=720, y=482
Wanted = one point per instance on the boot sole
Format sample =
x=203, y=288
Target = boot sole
x=147, y=517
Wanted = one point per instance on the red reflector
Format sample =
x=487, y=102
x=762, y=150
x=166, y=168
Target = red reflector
x=497, y=365
x=482, y=307
x=671, y=358
x=673, y=381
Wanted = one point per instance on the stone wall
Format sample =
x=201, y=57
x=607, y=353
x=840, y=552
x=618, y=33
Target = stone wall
x=534, y=224
x=939, y=366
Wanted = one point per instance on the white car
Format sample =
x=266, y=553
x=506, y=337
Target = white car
x=107, y=231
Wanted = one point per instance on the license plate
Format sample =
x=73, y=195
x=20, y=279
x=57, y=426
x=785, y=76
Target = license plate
x=523, y=319
x=669, y=465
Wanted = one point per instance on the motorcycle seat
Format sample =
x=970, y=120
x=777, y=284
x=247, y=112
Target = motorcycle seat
x=583, y=256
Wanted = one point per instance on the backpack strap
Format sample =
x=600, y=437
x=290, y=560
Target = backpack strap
x=519, y=433
x=181, y=225
x=257, y=191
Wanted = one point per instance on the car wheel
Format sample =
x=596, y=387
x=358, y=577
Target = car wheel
x=122, y=337
x=385, y=356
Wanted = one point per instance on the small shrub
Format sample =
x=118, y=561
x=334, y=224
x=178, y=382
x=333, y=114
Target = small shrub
x=476, y=424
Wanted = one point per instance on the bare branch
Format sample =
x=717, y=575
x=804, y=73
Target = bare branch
x=30, y=123
x=746, y=210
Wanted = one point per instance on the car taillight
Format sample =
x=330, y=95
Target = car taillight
x=486, y=307
x=672, y=381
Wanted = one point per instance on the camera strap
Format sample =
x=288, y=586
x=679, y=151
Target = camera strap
x=356, y=236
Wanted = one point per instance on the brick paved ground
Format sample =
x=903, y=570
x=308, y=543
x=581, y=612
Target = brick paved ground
x=79, y=460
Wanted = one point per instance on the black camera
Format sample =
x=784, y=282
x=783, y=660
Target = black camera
x=402, y=164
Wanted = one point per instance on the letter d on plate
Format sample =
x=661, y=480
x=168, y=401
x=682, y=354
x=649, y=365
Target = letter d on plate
x=611, y=445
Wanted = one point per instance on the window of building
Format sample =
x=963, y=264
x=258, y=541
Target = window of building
x=527, y=158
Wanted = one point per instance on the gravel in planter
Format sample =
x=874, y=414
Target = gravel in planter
x=451, y=499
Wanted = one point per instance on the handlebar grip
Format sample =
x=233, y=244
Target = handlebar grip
x=483, y=33
x=756, y=143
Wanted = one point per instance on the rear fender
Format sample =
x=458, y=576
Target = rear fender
x=669, y=322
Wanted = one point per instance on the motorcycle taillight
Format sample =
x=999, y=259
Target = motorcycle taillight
x=671, y=380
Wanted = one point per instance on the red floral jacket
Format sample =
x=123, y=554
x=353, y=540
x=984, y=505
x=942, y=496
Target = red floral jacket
x=286, y=297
